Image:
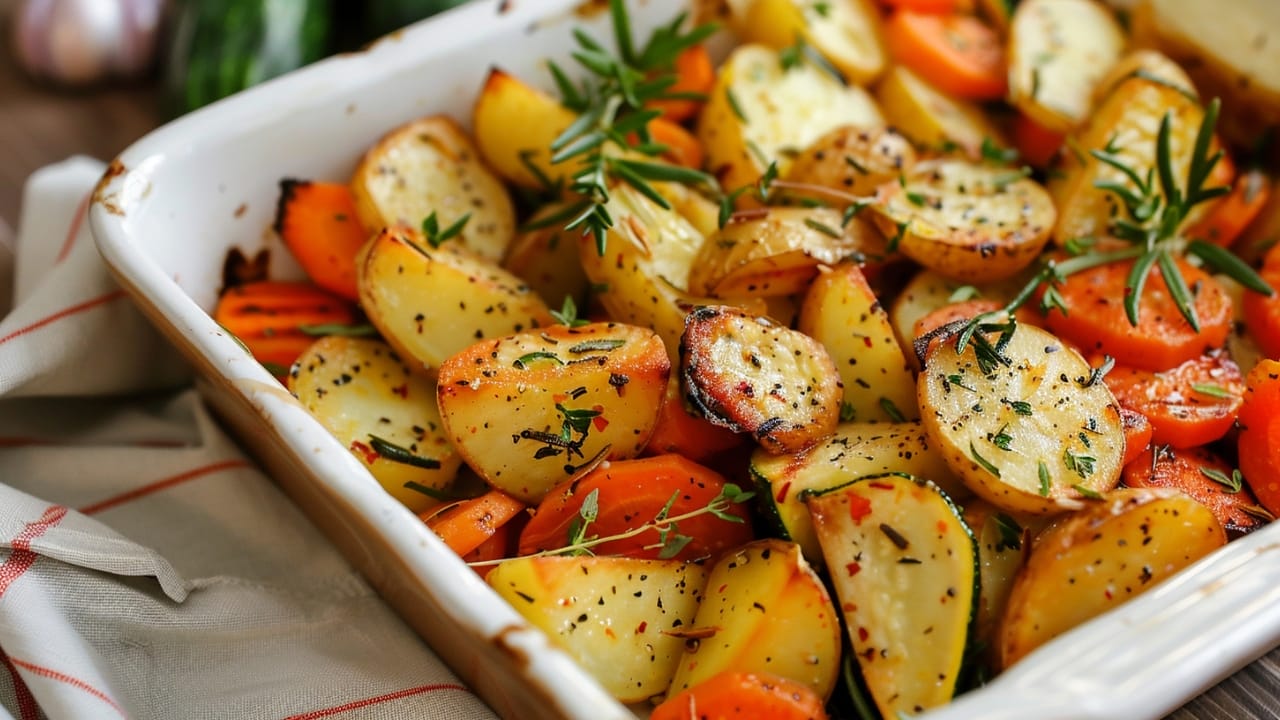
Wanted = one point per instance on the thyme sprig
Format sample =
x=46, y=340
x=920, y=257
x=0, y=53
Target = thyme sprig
x=670, y=540
x=1155, y=206
x=611, y=108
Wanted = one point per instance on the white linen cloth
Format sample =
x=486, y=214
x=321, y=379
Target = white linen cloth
x=147, y=568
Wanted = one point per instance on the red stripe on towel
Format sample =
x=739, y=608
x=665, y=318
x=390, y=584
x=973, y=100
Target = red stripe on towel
x=27, y=708
x=74, y=309
x=358, y=704
x=69, y=680
x=76, y=221
x=162, y=485
x=21, y=558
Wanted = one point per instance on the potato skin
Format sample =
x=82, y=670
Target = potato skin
x=748, y=374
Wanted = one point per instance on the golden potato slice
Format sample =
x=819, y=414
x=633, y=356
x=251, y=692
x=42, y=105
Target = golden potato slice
x=430, y=166
x=761, y=112
x=546, y=258
x=363, y=393
x=853, y=160
x=1031, y=431
x=842, y=312
x=514, y=127
x=855, y=449
x=778, y=251
x=765, y=610
x=1143, y=61
x=846, y=32
x=749, y=374
x=930, y=117
x=430, y=303
x=624, y=620
x=905, y=568
x=640, y=278
x=1058, y=52
x=1127, y=121
x=1004, y=542
x=969, y=222
x=1098, y=558
x=529, y=410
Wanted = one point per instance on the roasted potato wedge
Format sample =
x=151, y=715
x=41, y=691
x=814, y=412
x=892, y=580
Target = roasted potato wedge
x=1144, y=61
x=846, y=32
x=529, y=410
x=430, y=166
x=1127, y=122
x=906, y=574
x=969, y=222
x=430, y=303
x=761, y=112
x=930, y=117
x=1027, y=426
x=640, y=278
x=1099, y=557
x=853, y=160
x=747, y=373
x=360, y=390
x=778, y=251
x=927, y=291
x=514, y=126
x=624, y=620
x=1004, y=542
x=1058, y=52
x=853, y=450
x=764, y=610
x=842, y=312
x=546, y=258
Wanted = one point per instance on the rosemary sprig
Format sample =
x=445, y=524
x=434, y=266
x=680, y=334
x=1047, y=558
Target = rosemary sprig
x=611, y=108
x=670, y=541
x=436, y=236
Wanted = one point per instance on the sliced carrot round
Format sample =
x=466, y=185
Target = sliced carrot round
x=1191, y=404
x=737, y=695
x=1203, y=475
x=1137, y=434
x=1095, y=318
x=1262, y=312
x=958, y=54
x=1259, y=439
x=1233, y=212
x=318, y=223
x=695, y=74
x=1036, y=144
x=629, y=494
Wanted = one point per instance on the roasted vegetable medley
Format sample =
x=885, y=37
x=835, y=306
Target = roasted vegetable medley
x=832, y=374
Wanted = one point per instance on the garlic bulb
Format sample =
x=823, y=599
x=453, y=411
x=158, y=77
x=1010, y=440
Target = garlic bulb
x=77, y=42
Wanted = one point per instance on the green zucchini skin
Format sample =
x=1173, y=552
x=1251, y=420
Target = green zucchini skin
x=220, y=48
x=905, y=568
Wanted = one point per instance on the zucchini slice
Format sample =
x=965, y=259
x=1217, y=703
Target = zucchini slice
x=905, y=568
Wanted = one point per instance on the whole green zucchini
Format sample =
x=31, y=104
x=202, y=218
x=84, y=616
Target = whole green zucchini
x=219, y=48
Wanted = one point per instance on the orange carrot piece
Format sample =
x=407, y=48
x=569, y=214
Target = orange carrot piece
x=934, y=7
x=1258, y=441
x=1204, y=476
x=1188, y=405
x=468, y=524
x=1232, y=213
x=1137, y=434
x=631, y=493
x=682, y=147
x=268, y=316
x=1095, y=319
x=958, y=54
x=499, y=545
x=946, y=314
x=1036, y=144
x=679, y=432
x=318, y=223
x=736, y=695
x=1261, y=313
x=694, y=74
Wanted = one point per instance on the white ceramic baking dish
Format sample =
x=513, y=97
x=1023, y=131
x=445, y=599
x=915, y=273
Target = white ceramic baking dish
x=173, y=205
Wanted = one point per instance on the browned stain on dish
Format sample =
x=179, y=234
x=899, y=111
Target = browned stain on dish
x=239, y=269
x=100, y=194
x=241, y=210
x=519, y=657
x=505, y=7
x=590, y=8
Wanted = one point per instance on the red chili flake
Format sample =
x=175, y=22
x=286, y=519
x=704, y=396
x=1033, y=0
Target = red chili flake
x=942, y=528
x=866, y=340
x=859, y=508
x=401, y=390
x=781, y=497
x=853, y=568
x=599, y=421
x=722, y=588
x=863, y=634
x=1107, y=594
x=880, y=485
x=368, y=453
x=608, y=631
x=641, y=627
x=559, y=397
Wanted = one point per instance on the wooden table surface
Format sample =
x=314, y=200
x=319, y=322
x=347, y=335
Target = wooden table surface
x=40, y=125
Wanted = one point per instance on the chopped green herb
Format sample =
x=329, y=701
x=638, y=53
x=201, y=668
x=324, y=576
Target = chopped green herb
x=1233, y=484
x=437, y=237
x=522, y=362
x=1045, y=482
x=1212, y=390
x=983, y=462
x=390, y=451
